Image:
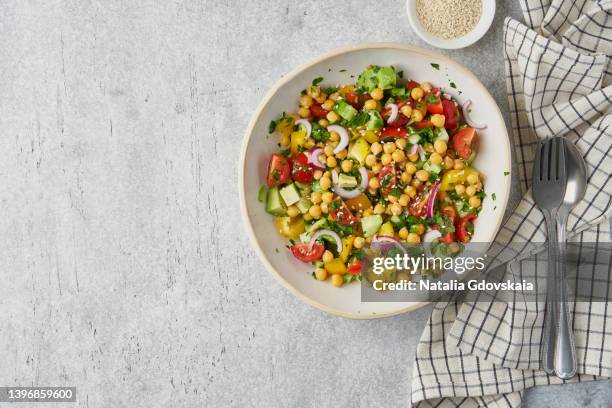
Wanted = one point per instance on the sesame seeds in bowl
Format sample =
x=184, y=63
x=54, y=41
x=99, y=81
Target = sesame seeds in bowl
x=450, y=24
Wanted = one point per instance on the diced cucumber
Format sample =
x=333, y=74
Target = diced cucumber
x=414, y=139
x=471, y=158
x=305, y=237
x=274, y=202
x=387, y=77
x=375, y=122
x=290, y=194
x=346, y=181
x=315, y=225
x=371, y=224
x=261, y=195
x=441, y=134
x=304, y=204
x=344, y=109
x=432, y=168
x=305, y=188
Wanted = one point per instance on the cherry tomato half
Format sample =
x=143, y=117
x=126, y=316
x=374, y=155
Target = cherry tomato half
x=465, y=141
x=451, y=114
x=434, y=102
x=465, y=227
x=387, y=179
x=355, y=268
x=411, y=85
x=302, y=171
x=340, y=212
x=301, y=252
x=279, y=170
x=393, y=132
x=317, y=111
x=417, y=207
x=423, y=124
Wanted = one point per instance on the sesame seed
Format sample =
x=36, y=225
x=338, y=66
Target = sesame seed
x=449, y=19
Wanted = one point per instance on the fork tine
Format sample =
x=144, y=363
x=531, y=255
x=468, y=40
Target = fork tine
x=545, y=170
x=553, y=159
x=537, y=164
x=561, y=169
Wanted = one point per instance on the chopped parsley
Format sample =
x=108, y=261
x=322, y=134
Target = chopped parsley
x=400, y=74
x=453, y=85
x=317, y=81
x=359, y=120
x=493, y=197
x=506, y=173
x=343, y=70
x=435, y=66
x=319, y=133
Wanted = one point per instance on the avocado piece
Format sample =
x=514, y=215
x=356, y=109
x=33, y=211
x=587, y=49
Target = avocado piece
x=344, y=109
x=371, y=224
x=359, y=150
x=386, y=77
x=346, y=181
x=274, y=202
x=304, y=188
x=315, y=225
x=290, y=194
x=304, y=204
x=375, y=121
x=368, y=79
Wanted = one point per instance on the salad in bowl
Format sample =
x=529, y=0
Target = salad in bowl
x=385, y=158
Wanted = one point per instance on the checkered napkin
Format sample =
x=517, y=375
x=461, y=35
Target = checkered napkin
x=559, y=76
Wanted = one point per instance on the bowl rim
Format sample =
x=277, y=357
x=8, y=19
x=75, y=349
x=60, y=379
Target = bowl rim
x=479, y=30
x=249, y=132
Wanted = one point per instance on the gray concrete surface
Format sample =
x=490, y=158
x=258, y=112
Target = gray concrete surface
x=125, y=270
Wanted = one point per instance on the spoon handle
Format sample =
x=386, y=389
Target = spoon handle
x=550, y=324
x=565, y=350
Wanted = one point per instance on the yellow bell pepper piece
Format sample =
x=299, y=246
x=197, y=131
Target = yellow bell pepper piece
x=359, y=203
x=453, y=177
x=386, y=229
x=290, y=227
x=347, y=245
x=359, y=150
x=335, y=267
x=285, y=125
x=298, y=138
x=370, y=136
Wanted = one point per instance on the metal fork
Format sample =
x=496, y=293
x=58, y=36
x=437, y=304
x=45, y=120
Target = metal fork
x=549, y=184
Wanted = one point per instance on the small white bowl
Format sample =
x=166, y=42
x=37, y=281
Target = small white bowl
x=486, y=18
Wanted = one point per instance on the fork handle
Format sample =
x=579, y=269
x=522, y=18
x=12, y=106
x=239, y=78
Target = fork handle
x=550, y=323
x=565, y=349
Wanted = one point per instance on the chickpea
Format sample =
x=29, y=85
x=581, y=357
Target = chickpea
x=307, y=217
x=392, y=199
x=347, y=165
x=404, y=200
x=334, y=137
x=293, y=211
x=416, y=116
x=458, y=164
x=328, y=105
x=370, y=160
x=401, y=143
x=426, y=86
x=416, y=183
x=413, y=157
x=327, y=174
x=324, y=208
x=334, y=97
x=331, y=162
x=327, y=256
x=376, y=148
x=320, y=274
x=370, y=105
x=321, y=98
x=323, y=123
x=413, y=238
x=411, y=168
x=342, y=154
x=428, y=147
x=376, y=168
x=385, y=158
x=422, y=175
x=325, y=183
x=315, y=211
x=419, y=229
x=440, y=146
x=470, y=190
x=284, y=140
x=460, y=189
x=315, y=197
x=406, y=110
x=379, y=208
x=474, y=202
x=373, y=183
x=358, y=242
x=478, y=186
x=438, y=120
x=403, y=233
x=435, y=158
x=448, y=162
x=317, y=174
x=472, y=178
x=304, y=112
x=327, y=197
x=398, y=156
x=410, y=191
x=377, y=94
x=328, y=150
x=405, y=177
x=396, y=208
x=416, y=93
x=389, y=147
x=337, y=280
x=332, y=117
x=367, y=212
x=306, y=100
x=309, y=143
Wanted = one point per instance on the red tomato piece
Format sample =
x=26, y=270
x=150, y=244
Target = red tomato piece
x=423, y=124
x=451, y=113
x=465, y=141
x=399, y=121
x=447, y=238
x=417, y=207
x=465, y=228
x=355, y=268
x=340, y=212
x=279, y=170
x=412, y=84
x=353, y=99
x=301, y=252
x=387, y=179
x=393, y=132
x=434, y=102
x=317, y=111
x=451, y=213
x=301, y=169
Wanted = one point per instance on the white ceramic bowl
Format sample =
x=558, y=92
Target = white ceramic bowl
x=493, y=160
x=486, y=18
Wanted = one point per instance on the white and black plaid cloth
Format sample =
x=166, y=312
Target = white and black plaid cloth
x=559, y=81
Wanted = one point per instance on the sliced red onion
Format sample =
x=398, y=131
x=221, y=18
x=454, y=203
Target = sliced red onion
x=384, y=243
x=344, y=137
x=348, y=194
x=313, y=158
x=432, y=198
x=306, y=124
x=466, y=115
x=418, y=148
x=428, y=238
x=329, y=233
x=394, y=112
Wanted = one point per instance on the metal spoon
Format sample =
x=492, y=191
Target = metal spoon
x=565, y=350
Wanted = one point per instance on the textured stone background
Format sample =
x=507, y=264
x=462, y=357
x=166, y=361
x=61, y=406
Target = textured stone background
x=125, y=269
